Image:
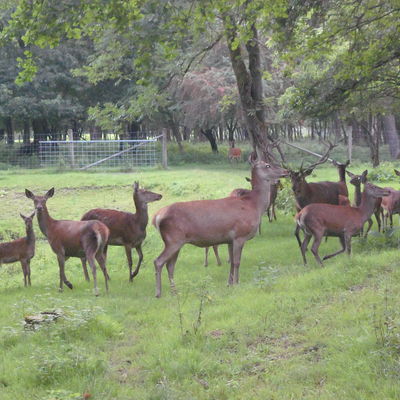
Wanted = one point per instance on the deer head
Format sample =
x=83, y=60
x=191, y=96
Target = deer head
x=143, y=195
x=28, y=219
x=357, y=180
x=39, y=201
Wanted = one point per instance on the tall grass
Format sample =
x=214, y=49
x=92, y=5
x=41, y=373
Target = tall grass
x=285, y=332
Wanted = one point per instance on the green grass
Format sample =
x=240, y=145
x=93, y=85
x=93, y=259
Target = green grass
x=285, y=332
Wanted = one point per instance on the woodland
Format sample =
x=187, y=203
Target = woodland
x=208, y=70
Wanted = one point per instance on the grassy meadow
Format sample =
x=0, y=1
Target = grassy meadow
x=287, y=331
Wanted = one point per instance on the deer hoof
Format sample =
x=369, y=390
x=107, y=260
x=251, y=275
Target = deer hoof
x=69, y=284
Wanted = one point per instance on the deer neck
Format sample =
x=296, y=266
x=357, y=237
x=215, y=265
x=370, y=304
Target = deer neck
x=366, y=207
x=357, y=195
x=142, y=215
x=261, y=190
x=45, y=221
x=342, y=173
x=30, y=234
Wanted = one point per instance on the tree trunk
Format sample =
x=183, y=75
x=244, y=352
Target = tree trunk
x=10, y=131
x=208, y=133
x=391, y=135
x=371, y=133
x=27, y=133
x=249, y=82
x=177, y=135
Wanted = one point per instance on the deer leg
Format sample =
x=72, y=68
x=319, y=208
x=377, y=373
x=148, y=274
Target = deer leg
x=378, y=219
x=303, y=247
x=63, y=278
x=101, y=259
x=237, y=253
x=230, y=250
x=273, y=211
x=391, y=220
x=215, y=248
x=92, y=264
x=297, y=234
x=369, y=226
x=85, y=271
x=315, y=246
x=343, y=243
x=128, y=252
x=28, y=270
x=140, y=254
x=347, y=239
x=166, y=254
x=24, y=271
x=206, y=250
x=170, y=268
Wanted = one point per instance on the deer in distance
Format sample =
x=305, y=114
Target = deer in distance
x=127, y=229
x=204, y=223
x=22, y=249
x=356, y=181
x=390, y=205
x=67, y=238
x=318, y=220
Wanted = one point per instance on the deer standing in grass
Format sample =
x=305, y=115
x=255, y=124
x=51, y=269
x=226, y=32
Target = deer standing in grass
x=82, y=239
x=203, y=223
x=127, y=229
x=22, y=250
x=318, y=192
x=318, y=220
x=356, y=181
x=390, y=205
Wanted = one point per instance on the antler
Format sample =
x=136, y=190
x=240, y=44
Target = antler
x=325, y=157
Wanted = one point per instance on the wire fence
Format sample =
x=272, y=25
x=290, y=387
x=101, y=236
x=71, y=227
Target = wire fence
x=95, y=154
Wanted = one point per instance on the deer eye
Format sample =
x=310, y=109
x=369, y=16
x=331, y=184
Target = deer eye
x=267, y=166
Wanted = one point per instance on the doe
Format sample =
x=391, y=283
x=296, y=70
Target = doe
x=22, y=250
x=82, y=239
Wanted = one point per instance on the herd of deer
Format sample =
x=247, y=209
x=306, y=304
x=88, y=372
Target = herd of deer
x=323, y=209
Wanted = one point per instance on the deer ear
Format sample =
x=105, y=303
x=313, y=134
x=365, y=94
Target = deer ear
x=247, y=179
x=29, y=194
x=351, y=175
x=136, y=186
x=397, y=172
x=364, y=176
x=50, y=193
x=22, y=216
x=32, y=215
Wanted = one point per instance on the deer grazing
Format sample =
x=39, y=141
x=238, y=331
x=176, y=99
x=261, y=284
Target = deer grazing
x=127, y=229
x=82, y=239
x=319, y=220
x=22, y=250
x=356, y=181
x=204, y=223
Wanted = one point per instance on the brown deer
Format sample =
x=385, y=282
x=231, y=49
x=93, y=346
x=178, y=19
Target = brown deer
x=22, y=250
x=317, y=192
x=356, y=181
x=318, y=220
x=235, y=154
x=82, y=239
x=127, y=229
x=390, y=206
x=203, y=223
x=234, y=193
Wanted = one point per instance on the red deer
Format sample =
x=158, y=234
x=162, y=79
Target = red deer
x=22, y=250
x=203, y=223
x=390, y=206
x=234, y=193
x=127, y=229
x=234, y=154
x=356, y=181
x=344, y=200
x=82, y=239
x=317, y=192
x=318, y=220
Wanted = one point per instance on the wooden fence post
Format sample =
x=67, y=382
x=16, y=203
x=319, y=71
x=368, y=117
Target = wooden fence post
x=164, y=149
x=71, y=147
